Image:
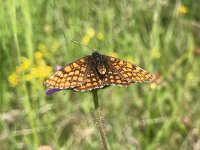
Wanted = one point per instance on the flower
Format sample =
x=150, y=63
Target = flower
x=42, y=47
x=90, y=32
x=99, y=36
x=41, y=72
x=13, y=79
x=25, y=63
x=86, y=40
x=38, y=55
x=27, y=71
x=55, y=45
x=58, y=68
x=129, y=59
x=182, y=10
x=28, y=77
x=155, y=53
x=113, y=54
x=47, y=28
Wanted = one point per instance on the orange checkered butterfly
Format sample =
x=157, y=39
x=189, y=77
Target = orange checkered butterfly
x=96, y=71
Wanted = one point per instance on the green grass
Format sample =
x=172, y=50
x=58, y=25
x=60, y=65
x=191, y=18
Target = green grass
x=154, y=34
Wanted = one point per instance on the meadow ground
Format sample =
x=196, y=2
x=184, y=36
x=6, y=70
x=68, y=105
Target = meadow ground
x=161, y=36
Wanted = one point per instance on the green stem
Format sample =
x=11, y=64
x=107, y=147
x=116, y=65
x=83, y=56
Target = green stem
x=95, y=98
x=98, y=120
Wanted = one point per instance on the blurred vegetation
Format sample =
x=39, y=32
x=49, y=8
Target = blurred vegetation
x=161, y=36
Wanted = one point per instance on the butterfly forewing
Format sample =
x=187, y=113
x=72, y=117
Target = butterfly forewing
x=128, y=71
x=70, y=76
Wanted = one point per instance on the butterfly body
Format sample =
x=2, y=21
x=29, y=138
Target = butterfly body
x=96, y=71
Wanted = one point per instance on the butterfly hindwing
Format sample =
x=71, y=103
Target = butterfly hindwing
x=113, y=78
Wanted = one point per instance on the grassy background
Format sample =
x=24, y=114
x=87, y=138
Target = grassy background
x=161, y=36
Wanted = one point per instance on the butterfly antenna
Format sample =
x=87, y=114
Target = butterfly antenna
x=83, y=45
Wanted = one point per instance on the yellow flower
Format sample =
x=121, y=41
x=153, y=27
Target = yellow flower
x=153, y=86
x=25, y=64
x=41, y=72
x=90, y=32
x=45, y=71
x=42, y=47
x=38, y=55
x=55, y=45
x=28, y=77
x=47, y=28
x=41, y=62
x=86, y=40
x=39, y=59
x=113, y=54
x=99, y=36
x=18, y=69
x=182, y=10
x=13, y=79
x=129, y=59
x=155, y=53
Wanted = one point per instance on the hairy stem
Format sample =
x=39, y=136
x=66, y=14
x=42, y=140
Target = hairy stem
x=99, y=121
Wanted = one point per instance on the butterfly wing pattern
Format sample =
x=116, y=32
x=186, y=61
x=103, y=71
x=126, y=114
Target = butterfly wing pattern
x=97, y=71
x=70, y=76
x=128, y=71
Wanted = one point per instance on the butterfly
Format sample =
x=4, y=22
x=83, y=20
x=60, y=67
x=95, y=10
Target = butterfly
x=97, y=71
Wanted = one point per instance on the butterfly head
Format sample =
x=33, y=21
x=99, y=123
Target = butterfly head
x=96, y=54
